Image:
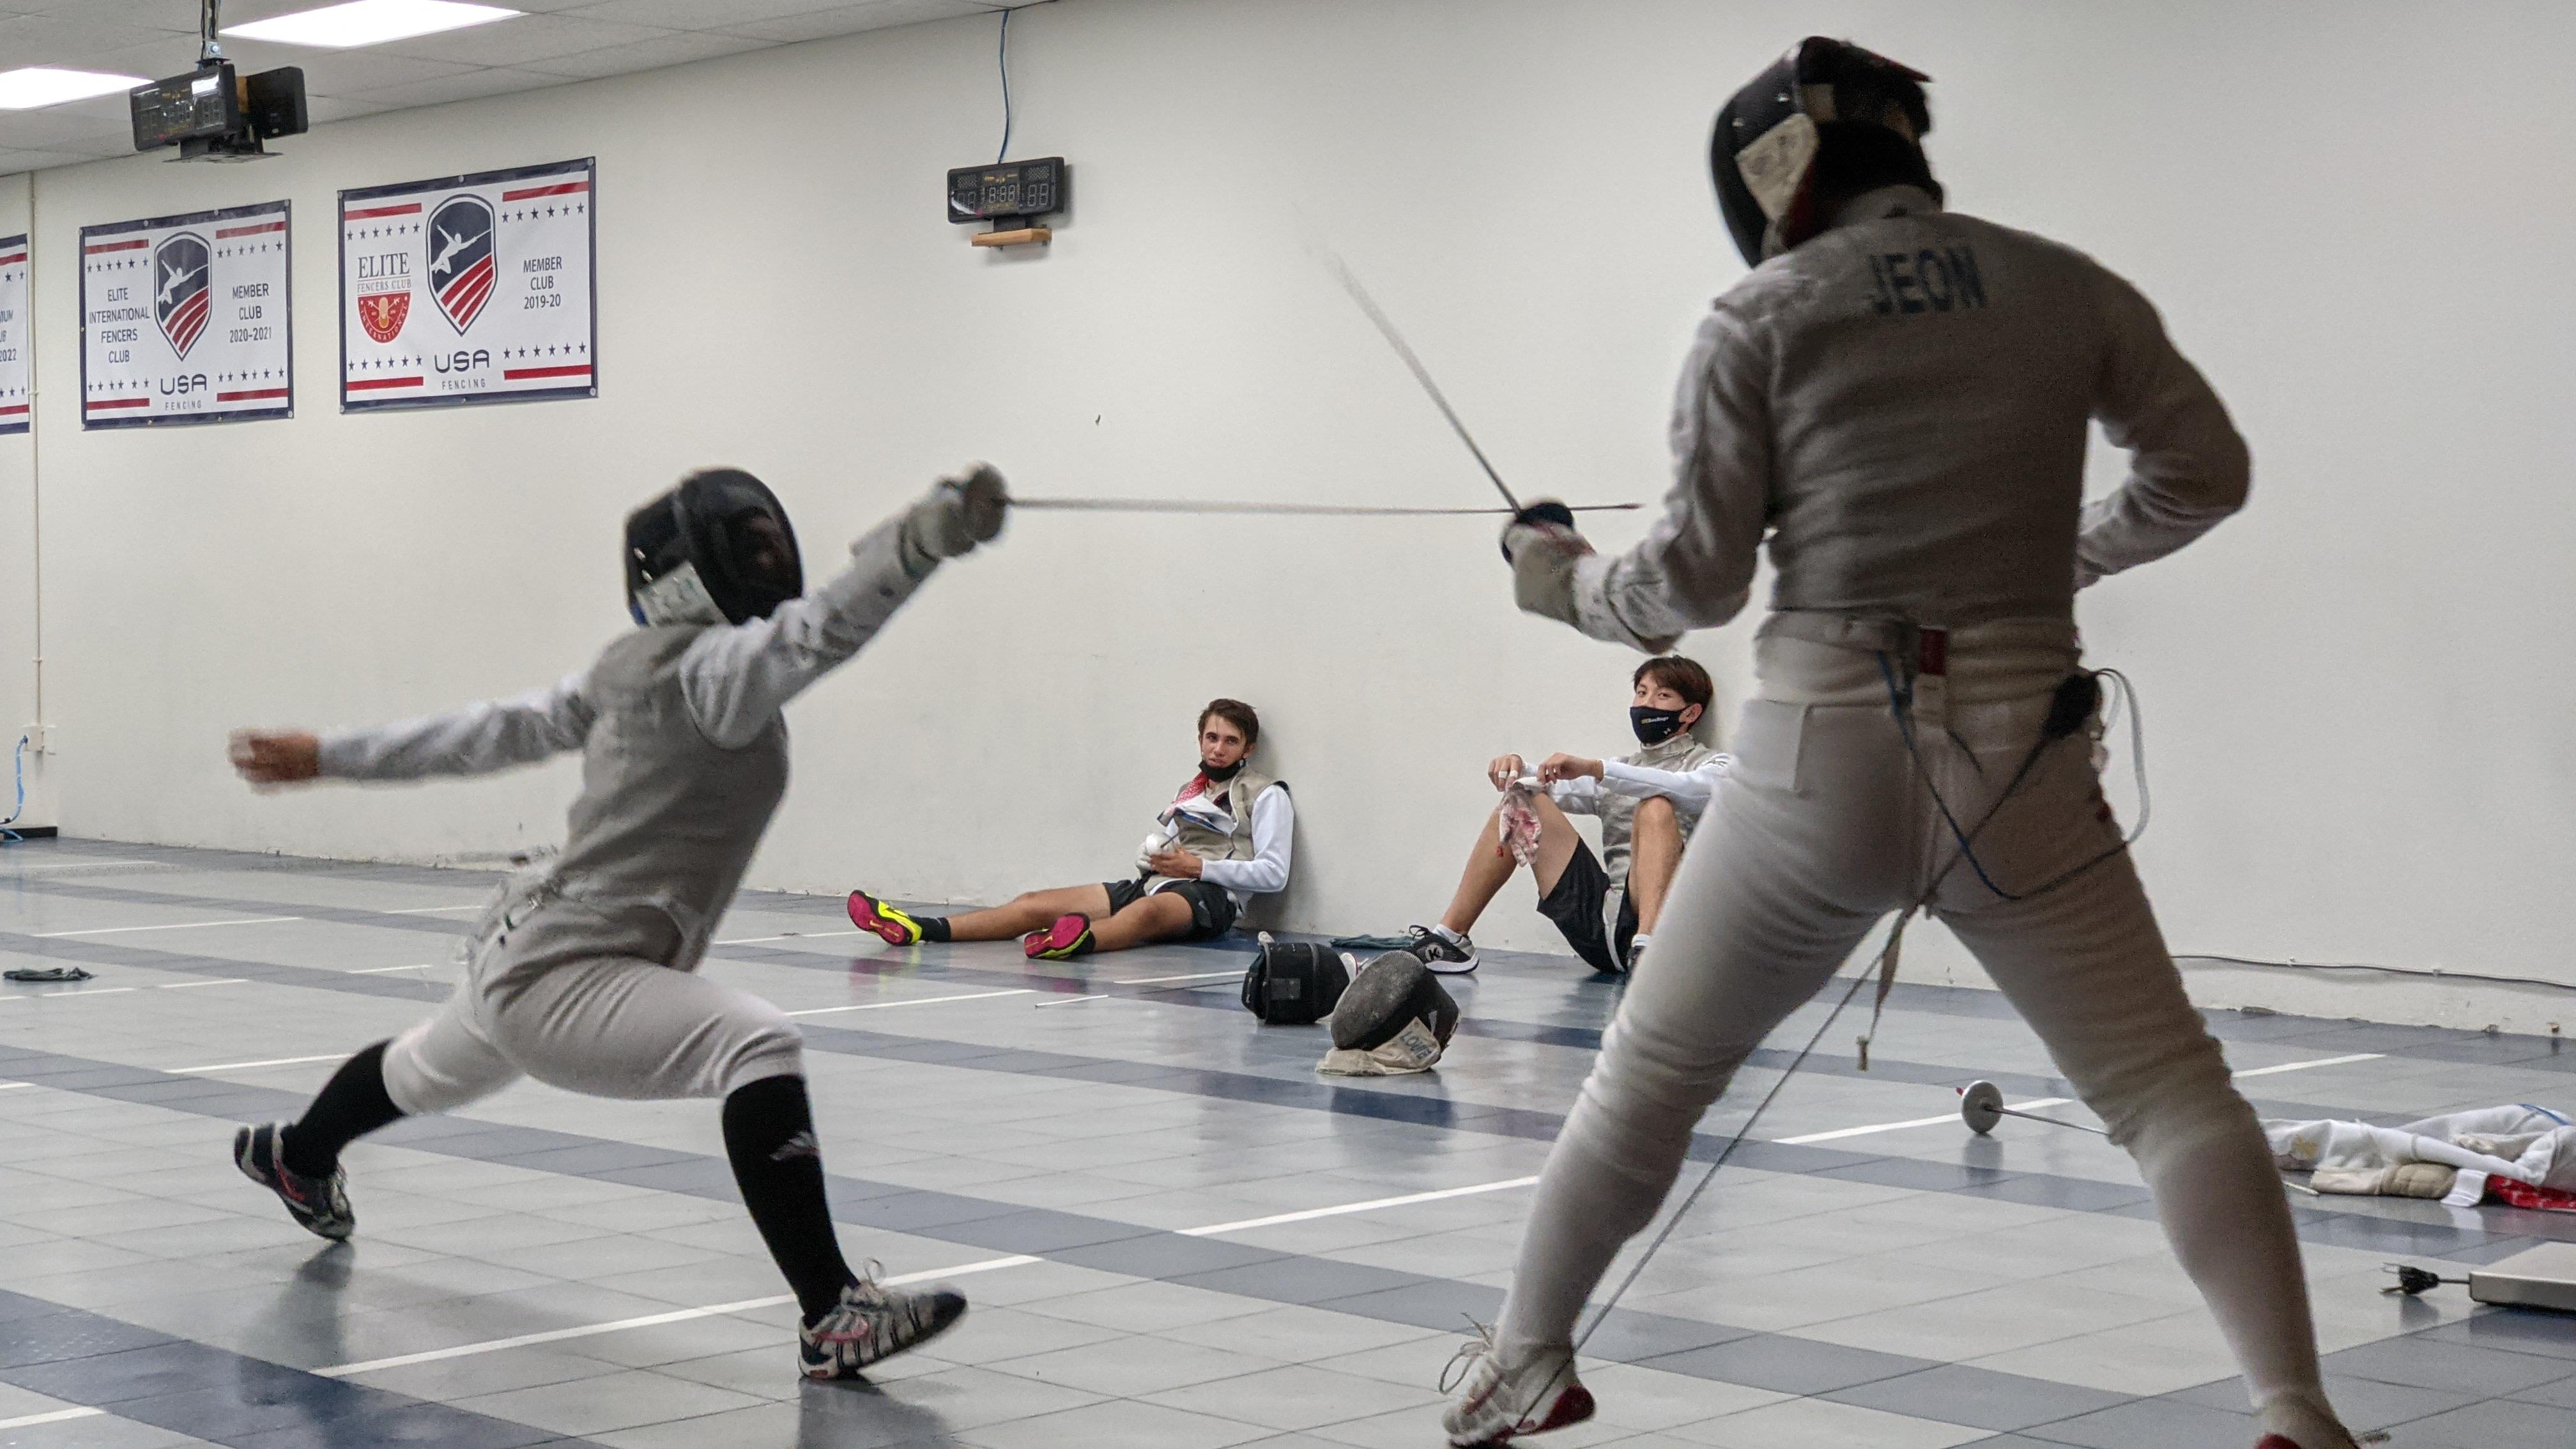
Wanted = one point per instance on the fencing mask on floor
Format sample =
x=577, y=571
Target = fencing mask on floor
x=1394, y=1017
x=718, y=549
x=1825, y=123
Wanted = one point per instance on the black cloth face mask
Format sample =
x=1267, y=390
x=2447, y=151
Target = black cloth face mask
x=1219, y=775
x=1654, y=726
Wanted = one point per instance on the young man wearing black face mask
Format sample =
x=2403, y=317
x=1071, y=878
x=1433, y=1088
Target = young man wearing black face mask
x=1224, y=839
x=1648, y=802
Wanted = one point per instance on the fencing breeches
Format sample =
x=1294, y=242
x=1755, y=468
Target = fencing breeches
x=1822, y=828
x=608, y=1026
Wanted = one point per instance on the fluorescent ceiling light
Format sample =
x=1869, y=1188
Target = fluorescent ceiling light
x=368, y=22
x=28, y=87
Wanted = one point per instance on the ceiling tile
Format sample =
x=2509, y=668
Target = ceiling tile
x=698, y=14
x=352, y=74
x=851, y=19
x=522, y=39
x=674, y=49
x=470, y=86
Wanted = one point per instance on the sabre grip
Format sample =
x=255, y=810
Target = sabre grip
x=1549, y=511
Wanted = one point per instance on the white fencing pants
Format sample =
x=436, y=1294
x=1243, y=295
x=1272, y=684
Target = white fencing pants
x=1822, y=828
x=609, y=1027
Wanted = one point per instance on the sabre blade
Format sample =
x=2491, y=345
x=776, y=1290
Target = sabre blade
x=1320, y=510
x=1386, y=329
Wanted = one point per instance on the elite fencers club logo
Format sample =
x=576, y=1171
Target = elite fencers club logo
x=181, y=297
x=461, y=268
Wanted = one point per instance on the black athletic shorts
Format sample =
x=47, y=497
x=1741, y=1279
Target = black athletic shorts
x=1211, y=909
x=1579, y=907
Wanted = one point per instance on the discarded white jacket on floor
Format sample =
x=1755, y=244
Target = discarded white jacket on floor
x=2449, y=1157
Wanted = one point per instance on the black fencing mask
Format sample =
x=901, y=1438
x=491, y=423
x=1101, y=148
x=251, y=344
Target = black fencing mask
x=718, y=549
x=1395, y=1017
x=1825, y=123
x=1654, y=726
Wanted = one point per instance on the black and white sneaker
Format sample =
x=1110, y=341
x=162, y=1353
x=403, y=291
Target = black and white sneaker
x=320, y=1204
x=1636, y=953
x=873, y=1322
x=1444, y=953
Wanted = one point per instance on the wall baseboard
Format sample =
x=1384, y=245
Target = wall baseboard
x=31, y=832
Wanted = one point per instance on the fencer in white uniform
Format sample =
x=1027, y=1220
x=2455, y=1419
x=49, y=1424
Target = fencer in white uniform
x=1896, y=400
x=582, y=971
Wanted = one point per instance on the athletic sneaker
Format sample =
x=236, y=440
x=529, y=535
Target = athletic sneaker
x=872, y=1322
x=1636, y=953
x=1496, y=1405
x=870, y=914
x=321, y=1204
x=1070, y=936
x=1446, y=954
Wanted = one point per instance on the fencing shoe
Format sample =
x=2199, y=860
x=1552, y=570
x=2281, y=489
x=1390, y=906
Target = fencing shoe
x=1069, y=937
x=1496, y=1404
x=1448, y=953
x=321, y=1204
x=888, y=924
x=873, y=1322
x=2301, y=1421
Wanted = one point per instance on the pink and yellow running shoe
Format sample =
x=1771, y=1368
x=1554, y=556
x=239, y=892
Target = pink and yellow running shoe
x=1069, y=936
x=892, y=926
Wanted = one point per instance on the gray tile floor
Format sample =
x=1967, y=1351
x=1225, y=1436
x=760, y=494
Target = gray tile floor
x=1173, y=1231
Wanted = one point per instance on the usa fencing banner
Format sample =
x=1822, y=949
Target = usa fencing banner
x=16, y=379
x=184, y=319
x=469, y=289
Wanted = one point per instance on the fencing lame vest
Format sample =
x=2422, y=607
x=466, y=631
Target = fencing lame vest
x=664, y=827
x=1195, y=836
x=1681, y=754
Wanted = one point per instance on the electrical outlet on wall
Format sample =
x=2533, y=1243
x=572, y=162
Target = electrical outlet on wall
x=35, y=734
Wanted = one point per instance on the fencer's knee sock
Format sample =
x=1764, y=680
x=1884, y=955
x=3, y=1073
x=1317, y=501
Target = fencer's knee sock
x=2203, y=1155
x=769, y=1135
x=933, y=928
x=351, y=1105
x=1601, y=1185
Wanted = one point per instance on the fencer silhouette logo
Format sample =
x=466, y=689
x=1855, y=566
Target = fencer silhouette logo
x=181, y=297
x=461, y=268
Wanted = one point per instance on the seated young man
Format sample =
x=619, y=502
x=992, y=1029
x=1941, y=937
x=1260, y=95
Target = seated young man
x=1223, y=840
x=1648, y=803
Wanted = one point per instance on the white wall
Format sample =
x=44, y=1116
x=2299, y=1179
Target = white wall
x=2357, y=698
x=18, y=583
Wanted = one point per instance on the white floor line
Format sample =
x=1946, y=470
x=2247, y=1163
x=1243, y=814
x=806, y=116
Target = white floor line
x=1081, y=1000
x=192, y=985
x=1154, y=980
x=915, y=1001
x=430, y=910
x=381, y=970
x=650, y=1320
x=81, y=865
x=2037, y=1102
x=75, y=991
x=179, y=926
x=13, y=1086
x=2319, y=1062
x=29, y=1421
x=790, y=936
x=1310, y=1214
x=246, y=1066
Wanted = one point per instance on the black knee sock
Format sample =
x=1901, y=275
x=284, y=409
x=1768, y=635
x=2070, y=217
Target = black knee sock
x=933, y=928
x=769, y=1135
x=352, y=1104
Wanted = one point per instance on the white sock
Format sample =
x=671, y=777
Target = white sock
x=1454, y=938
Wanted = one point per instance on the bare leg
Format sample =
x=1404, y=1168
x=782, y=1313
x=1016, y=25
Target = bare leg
x=1033, y=911
x=1654, y=853
x=1490, y=864
x=1157, y=917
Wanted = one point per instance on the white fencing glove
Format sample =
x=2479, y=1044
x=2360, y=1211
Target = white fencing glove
x=956, y=515
x=1541, y=545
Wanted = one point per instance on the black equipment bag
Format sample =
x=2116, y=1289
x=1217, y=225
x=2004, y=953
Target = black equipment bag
x=1293, y=983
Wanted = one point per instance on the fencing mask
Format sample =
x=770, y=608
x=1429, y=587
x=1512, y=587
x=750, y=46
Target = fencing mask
x=1394, y=1017
x=716, y=550
x=1825, y=123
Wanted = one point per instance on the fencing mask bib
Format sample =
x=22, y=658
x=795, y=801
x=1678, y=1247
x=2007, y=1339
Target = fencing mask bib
x=718, y=549
x=1827, y=121
x=1395, y=1017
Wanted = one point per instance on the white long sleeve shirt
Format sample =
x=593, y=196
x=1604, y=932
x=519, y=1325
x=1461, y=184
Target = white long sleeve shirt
x=1689, y=790
x=1899, y=408
x=736, y=678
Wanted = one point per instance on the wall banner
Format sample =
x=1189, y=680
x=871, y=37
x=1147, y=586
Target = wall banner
x=469, y=289
x=184, y=319
x=17, y=380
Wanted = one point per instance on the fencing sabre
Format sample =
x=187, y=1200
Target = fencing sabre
x=1320, y=510
x=1386, y=329
x=1981, y=1106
